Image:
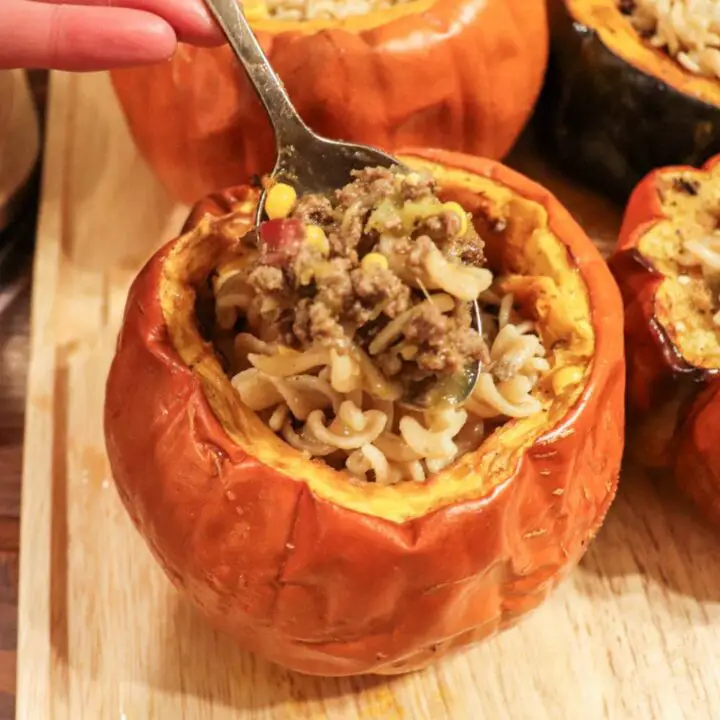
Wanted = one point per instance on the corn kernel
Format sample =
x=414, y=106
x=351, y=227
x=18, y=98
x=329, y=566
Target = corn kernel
x=280, y=200
x=566, y=377
x=316, y=238
x=454, y=207
x=374, y=261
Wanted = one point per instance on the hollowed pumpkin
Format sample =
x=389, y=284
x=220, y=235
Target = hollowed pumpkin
x=614, y=107
x=456, y=74
x=334, y=578
x=672, y=341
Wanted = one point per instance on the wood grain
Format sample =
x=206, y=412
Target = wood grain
x=634, y=632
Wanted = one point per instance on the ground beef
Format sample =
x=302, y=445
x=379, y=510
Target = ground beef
x=300, y=329
x=416, y=188
x=324, y=328
x=315, y=209
x=381, y=287
x=445, y=342
x=470, y=253
x=315, y=323
x=440, y=227
x=505, y=369
x=443, y=230
x=328, y=296
x=370, y=186
x=334, y=287
x=419, y=250
x=428, y=327
x=346, y=235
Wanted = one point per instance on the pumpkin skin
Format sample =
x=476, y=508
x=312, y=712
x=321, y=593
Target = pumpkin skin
x=456, y=74
x=672, y=398
x=614, y=108
x=337, y=579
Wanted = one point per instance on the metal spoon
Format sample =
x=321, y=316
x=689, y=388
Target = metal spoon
x=314, y=164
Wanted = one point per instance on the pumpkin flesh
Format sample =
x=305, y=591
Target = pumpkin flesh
x=423, y=567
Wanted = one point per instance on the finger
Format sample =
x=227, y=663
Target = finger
x=66, y=37
x=190, y=18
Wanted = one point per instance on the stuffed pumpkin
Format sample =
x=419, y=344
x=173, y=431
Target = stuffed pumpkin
x=667, y=264
x=259, y=435
x=456, y=74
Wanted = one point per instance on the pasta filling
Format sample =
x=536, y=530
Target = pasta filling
x=529, y=260
x=344, y=306
x=686, y=249
x=688, y=30
x=300, y=10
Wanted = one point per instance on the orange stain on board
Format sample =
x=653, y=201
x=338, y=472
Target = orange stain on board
x=94, y=464
x=42, y=402
x=380, y=703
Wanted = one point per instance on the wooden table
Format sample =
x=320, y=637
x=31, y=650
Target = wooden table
x=632, y=634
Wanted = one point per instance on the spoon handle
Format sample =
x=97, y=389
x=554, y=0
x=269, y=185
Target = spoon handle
x=286, y=122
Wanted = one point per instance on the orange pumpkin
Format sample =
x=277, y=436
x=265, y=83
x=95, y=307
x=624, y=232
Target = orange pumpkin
x=673, y=352
x=335, y=578
x=456, y=74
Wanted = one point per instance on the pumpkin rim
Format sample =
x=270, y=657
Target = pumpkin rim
x=614, y=30
x=477, y=474
x=352, y=24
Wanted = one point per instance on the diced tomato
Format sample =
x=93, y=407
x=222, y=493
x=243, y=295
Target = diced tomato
x=281, y=239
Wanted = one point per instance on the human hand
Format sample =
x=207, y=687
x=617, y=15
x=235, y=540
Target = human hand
x=99, y=34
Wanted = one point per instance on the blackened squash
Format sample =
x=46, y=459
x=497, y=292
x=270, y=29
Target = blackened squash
x=614, y=107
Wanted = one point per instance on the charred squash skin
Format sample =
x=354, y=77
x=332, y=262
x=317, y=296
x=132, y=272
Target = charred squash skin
x=674, y=403
x=360, y=579
x=612, y=112
x=422, y=74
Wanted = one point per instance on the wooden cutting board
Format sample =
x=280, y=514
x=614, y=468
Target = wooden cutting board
x=634, y=632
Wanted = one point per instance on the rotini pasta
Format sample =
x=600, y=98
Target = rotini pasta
x=689, y=30
x=328, y=376
x=366, y=428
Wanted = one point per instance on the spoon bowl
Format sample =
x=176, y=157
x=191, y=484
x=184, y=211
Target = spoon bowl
x=314, y=164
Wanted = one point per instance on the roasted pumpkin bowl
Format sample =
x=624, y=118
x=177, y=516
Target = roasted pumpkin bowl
x=615, y=106
x=665, y=265
x=333, y=577
x=457, y=74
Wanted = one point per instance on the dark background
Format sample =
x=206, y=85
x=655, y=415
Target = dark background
x=17, y=241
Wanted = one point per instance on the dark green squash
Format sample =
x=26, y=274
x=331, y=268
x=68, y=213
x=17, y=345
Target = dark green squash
x=614, y=108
